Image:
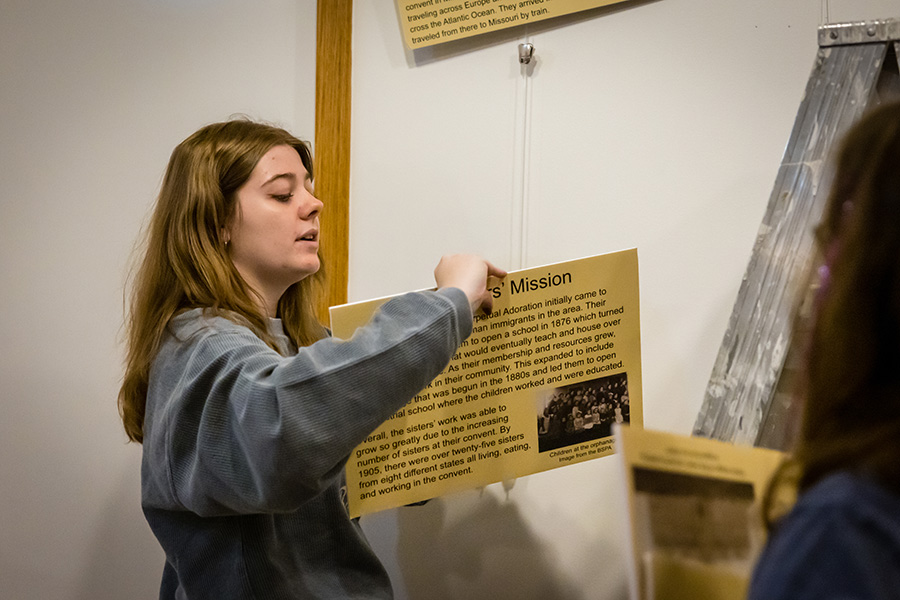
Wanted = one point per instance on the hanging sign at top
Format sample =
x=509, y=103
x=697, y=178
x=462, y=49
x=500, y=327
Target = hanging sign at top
x=429, y=22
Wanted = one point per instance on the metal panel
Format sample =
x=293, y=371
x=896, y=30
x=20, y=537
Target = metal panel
x=756, y=344
x=864, y=32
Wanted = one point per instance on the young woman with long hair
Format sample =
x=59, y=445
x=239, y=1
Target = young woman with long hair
x=247, y=410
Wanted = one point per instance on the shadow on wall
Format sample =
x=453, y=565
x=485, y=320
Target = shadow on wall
x=125, y=561
x=489, y=554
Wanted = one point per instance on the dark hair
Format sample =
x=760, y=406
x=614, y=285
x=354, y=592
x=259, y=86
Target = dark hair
x=850, y=386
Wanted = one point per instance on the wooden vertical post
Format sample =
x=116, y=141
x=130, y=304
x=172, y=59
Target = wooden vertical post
x=334, y=23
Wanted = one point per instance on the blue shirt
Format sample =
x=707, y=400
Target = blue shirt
x=840, y=541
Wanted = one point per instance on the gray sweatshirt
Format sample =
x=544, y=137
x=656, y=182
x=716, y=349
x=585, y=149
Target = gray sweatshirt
x=244, y=448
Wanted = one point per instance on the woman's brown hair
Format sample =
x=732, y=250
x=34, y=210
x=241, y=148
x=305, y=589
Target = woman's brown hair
x=185, y=262
x=850, y=389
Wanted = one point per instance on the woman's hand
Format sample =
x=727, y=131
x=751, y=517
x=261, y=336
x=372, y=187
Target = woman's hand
x=470, y=274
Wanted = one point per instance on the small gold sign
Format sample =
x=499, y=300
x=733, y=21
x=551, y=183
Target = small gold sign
x=429, y=22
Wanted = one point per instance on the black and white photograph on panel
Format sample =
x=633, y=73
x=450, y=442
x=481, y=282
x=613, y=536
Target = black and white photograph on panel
x=581, y=412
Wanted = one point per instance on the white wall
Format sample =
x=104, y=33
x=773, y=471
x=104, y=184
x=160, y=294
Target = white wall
x=658, y=125
x=93, y=97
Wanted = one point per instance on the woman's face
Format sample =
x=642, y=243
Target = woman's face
x=274, y=236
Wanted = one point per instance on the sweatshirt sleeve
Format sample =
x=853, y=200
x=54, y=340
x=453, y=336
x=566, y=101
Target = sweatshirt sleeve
x=233, y=427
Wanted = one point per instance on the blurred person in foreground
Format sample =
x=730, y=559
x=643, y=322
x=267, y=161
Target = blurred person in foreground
x=841, y=538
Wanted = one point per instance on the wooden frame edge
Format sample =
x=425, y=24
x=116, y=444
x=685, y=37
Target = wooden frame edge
x=334, y=28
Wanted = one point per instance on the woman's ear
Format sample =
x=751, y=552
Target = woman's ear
x=227, y=225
